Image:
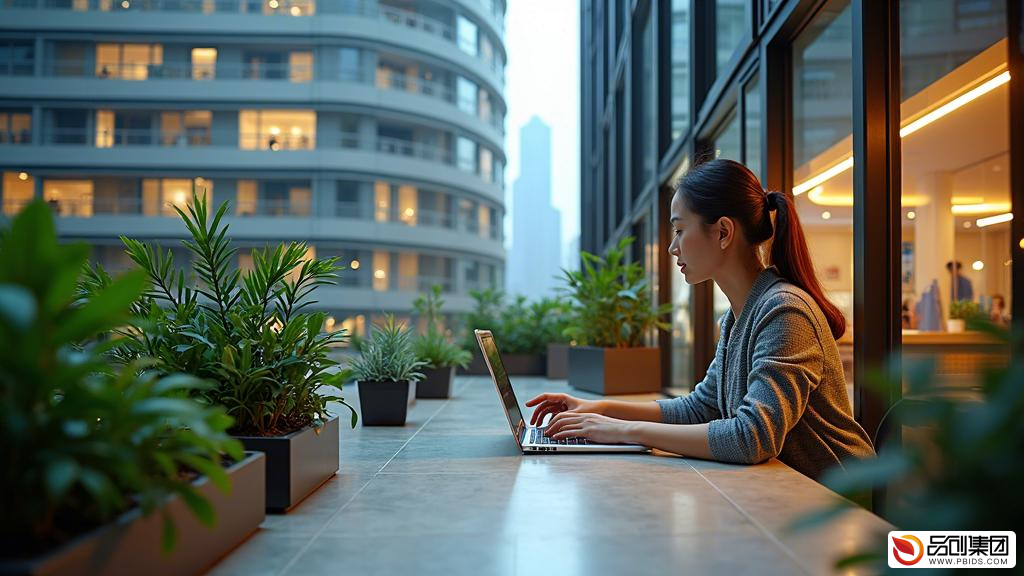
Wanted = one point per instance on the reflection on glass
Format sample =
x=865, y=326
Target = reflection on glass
x=727, y=143
x=680, y=23
x=956, y=244
x=466, y=33
x=752, y=126
x=822, y=155
x=731, y=18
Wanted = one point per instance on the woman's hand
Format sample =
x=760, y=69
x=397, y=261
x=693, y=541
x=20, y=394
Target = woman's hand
x=557, y=403
x=594, y=427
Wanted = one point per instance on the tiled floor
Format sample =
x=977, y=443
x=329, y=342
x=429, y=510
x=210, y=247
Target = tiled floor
x=450, y=494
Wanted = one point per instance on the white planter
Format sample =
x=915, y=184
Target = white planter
x=955, y=325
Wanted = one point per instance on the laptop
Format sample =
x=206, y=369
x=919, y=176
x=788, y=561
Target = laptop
x=531, y=439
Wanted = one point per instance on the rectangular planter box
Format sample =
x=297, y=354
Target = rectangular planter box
x=515, y=365
x=131, y=544
x=436, y=383
x=558, y=361
x=385, y=403
x=297, y=464
x=615, y=370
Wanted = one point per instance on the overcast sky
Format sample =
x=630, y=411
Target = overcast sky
x=542, y=79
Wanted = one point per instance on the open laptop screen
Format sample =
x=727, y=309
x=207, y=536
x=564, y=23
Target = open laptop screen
x=497, y=368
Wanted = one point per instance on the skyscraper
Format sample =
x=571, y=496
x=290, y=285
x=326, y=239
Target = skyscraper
x=371, y=129
x=535, y=259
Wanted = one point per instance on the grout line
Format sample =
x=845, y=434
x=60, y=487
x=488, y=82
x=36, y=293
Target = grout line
x=792, y=556
x=327, y=523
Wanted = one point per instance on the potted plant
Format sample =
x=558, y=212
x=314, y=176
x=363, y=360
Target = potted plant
x=612, y=313
x=249, y=334
x=959, y=312
x=386, y=372
x=517, y=326
x=440, y=355
x=108, y=468
x=554, y=320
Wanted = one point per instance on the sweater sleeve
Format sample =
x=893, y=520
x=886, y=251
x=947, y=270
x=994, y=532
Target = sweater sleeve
x=786, y=365
x=697, y=407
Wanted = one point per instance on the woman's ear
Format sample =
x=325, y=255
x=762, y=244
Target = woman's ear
x=726, y=232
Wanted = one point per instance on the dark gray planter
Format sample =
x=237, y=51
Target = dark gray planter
x=558, y=361
x=297, y=464
x=515, y=365
x=615, y=370
x=385, y=403
x=436, y=382
x=131, y=544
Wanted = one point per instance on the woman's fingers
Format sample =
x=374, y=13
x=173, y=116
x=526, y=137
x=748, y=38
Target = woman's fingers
x=547, y=407
x=562, y=420
x=543, y=397
x=569, y=433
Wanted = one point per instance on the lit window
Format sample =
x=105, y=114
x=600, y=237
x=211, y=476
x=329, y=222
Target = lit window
x=204, y=63
x=129, y=61
x=69, y=197
x=277, y=130
x=18, y=190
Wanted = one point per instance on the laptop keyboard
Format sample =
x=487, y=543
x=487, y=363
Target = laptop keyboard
x=537, y=437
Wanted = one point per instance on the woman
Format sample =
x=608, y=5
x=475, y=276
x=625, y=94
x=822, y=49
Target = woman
x=776, y=386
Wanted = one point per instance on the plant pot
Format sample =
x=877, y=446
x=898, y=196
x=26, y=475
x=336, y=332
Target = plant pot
x=436, y=383
x=615, y=370
x=297, y=464
x=955, y=325
x=515, y=365
x=131, y=544
x=558, y=361
x=385, y=403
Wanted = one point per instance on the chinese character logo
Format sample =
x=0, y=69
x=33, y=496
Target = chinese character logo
x=905, y=545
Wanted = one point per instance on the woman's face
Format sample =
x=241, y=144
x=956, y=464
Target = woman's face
x=696, y=246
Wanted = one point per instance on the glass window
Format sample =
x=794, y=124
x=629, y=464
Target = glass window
x=185, y=128
x=466, y=31
x=822, y=155
x=752, y=126
x=129, y=61
x=350, y=65
x=956, y=202
x=204, y=63
x=18, y=190
x=161, y=195
x=382, y=201
x=69, y=197
x=408, y=205
x=486, y=164
x=727, y=142
x=486, y=112
x=17, y=57
x=680, y=22
x=466, y=154
x=381, y=270
x=643, y=109
x=300, y=66
x=277, y=129
x=246, y=194
x=104, y=128
x=732, y=19
x=15, y=126
x=467, y=95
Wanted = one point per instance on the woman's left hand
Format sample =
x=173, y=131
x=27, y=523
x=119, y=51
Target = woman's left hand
x=597, y=428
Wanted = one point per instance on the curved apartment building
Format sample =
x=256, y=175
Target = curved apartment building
x=373, y=129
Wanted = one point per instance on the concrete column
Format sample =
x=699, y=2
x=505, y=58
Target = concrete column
x=324, y=197
x=934, y=229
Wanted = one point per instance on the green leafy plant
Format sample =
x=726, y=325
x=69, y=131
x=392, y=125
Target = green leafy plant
x=522, y=327
x=387, y=356
x=964, y=310
x=486, y=314
x=433, y=346
x=84, y=438
x=554, y=315
x=247, y=332
x=960, y=470
x=611, y=303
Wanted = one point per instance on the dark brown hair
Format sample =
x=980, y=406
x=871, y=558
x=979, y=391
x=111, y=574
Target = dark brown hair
x=725, y=188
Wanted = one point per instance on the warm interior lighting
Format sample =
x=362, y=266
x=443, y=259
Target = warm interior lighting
x=274, y=130
x=982, y=208
x=379, y=274
x=273, y=4
x=955, y=103
x=908, y=129
x=911, y=215
x=296, y=131
x=826, y=215
x=126, y=4
x=823, y=177
x=410, y=212
x=354, y=265
x=296, y=11
x=23, y=176
x=1021, y=243
x=978, y=265
x=997, y=219
x=967, y=224
x=329, y=323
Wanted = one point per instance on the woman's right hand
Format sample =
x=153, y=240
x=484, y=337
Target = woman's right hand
x=556, y=403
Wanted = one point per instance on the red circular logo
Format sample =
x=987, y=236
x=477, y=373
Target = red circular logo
x=903, y=545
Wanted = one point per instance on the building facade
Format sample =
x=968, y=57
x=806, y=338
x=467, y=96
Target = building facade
x=535, y=259
x=897, y=126
x=373, y=130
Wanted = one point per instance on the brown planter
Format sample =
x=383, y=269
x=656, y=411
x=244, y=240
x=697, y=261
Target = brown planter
x=131, y=544
x=558, y=361
x=436, y=383
x=385, y=403
x=615, y=370
x=515, y=365
x=297, y=464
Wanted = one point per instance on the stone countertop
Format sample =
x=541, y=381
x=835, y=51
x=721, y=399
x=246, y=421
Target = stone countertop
x=451, y=494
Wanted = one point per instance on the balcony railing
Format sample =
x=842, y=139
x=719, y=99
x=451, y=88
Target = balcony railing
x=272, y=207
x=424, y=283
x=127, y=137
x=15, y=136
